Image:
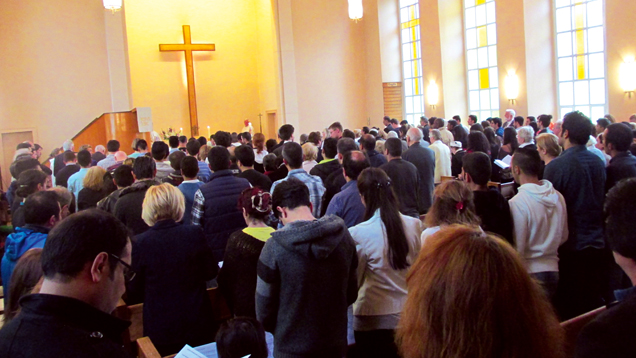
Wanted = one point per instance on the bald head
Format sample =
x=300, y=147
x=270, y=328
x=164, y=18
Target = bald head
x=414, y=134
x=120, y=156
x=354, y=162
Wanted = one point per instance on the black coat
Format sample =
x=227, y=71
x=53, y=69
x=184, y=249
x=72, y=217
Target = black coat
x=62, y=176
x=58, y=164
x=173, y=263
x=405, y=182
x=57, y=326
x=494, y=212
x=375, y=158
x=88, y=198
x=128, y=207
x=424, y=161
x=325, y=169
x=256, y=179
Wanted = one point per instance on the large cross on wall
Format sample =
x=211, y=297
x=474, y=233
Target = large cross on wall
x=188, y=47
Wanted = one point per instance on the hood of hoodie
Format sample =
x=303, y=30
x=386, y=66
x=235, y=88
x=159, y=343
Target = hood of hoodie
x=141, y=185
x=317, y=238
x=543, y=194
x=24, y=239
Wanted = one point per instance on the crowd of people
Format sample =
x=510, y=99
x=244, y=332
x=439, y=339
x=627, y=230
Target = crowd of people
x=404, y=226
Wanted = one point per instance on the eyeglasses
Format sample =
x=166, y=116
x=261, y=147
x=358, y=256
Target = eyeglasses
x=129, y=274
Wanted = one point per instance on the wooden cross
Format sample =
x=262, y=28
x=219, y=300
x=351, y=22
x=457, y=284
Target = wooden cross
x=188, y=47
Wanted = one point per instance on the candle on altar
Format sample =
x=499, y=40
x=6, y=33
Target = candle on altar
x=180, y=130
x=208, y=131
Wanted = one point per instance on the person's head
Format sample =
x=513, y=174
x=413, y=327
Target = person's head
x=37, y=150
x=348, y=133
x=269, y=162
x=477, y=128
x=453, y=309
x=576, y=129
x=510, y=137
x=144, y=168
x=335, y=130
x=183, y=140
x=610, y=118
x=477, y=142
x=472, y=119
x=315, y=138
x=330, y=148
x=353, y=163
x=141, y=145
x=393, y=147
x=193, y=147
x=173, y=141
x=218, y=158
x=31, y=181
x=386, y=120
x=431, y=122
x=345, y=145
x=452, y=204
x=159, y=151
x=310, y=152
x=367, y=142
x=256, y=204
x=65, y=199
x=491, y=136
x=84, y=158
x=476, y=168
x=120, y=156
x=259, y=141
x=525, y=135
x=548, y=146
x=439, y=123
x=395, y=123
x=618, y=138
x=486, y=124
x=175, y=159
x=162, y=202
x=544, y=120
x=244, y=155
x=189, y=168
x=270, y=144
x=202, y=141
x=558, y=128
x=112, y=146
x=525, y=162
x=123, y=176
x=241, y=337
x=23, y=165
x=94, y=178
x=496, y=123
x=452, y=124
x=534, y=126
x=510, y=114
x=290, y=195
x=375, y=187
x=27, y=273
x=518, y=122
x=414, y=135
x=293, y=155
x=620, y=209
x=69, y=157
x=235, y=137
x=68, y=145
x=223, y=139
x=42, y=209
x=435, y=136
x=601, y=125
x=286, y=131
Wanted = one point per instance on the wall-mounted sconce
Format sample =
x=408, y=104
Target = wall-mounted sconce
x=628, y=77
x=512, y=87
x=355, y=10
x=432, y=94
x=112, y=5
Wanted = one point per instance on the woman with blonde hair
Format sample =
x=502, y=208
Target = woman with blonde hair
x=452, y=204
x=310, y=154
x=548, y=147
x=173, y=263
x=93, y=190
x=258, y=141
x=471, y=296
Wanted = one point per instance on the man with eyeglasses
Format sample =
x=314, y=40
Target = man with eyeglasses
x=86, y=262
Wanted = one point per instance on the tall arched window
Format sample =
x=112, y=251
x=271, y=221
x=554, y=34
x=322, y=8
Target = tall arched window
x=481, y=58
x=580, y=51
x=412, y=60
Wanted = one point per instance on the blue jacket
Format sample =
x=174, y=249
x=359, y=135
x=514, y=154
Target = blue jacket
x=188, y=190
x=22, y=240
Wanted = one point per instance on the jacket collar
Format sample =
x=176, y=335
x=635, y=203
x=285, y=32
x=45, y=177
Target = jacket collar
x=221, y=173
x=165, y=224
x=36, y=228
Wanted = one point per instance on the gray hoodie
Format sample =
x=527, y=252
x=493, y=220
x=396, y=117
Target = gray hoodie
x=306, y=281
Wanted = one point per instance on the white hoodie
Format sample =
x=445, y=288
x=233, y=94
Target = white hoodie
x=540, y=225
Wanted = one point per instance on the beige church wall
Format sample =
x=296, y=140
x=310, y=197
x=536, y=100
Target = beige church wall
x=267, y=63
x=454, y=87
x=54, y=68
x=620, y=47
x=389, y=32
x=228, y=86
x=374, y=92
x=431, y=56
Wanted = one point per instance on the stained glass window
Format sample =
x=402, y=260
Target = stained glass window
x=481, y=57
x=412, y=60
x=580, y=41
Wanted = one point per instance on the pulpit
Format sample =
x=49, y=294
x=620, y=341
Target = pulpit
x=122, y=126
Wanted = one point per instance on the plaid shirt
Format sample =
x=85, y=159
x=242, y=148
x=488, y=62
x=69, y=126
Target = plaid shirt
x=197, y=208
x=313, y=182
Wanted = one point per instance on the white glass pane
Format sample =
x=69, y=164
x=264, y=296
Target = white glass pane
x=470, y=3
x=565, y=69
x=595, y=40
x=581, y=92
x=470, y=17
x=563, y=19
x=471, y=59
x=419, y=67
x=595, y=13
x=417, y=9
x=492, y=34
x=408, y=87
x=417, y=103
x=484, y=99
x=583, y=109
x=406, y=52
x=474, y=100
x=597, y=112
x=404, y=15
x=566, y=94
x=473, y=80
x=480, y=15
x=419, y=50
x=597, y=65
x=482, y=57
x=564, y=111
x=494, y=98
x=471, y=39
x=494, y=77
x=597, y=92
x=495, y=113
x=564, y=44
x=492, y=56
x=490, y=12
x=485, y=114
x=409, y=104
x=408, y=69
x=417, y=32
x=406, y=35
x=560, y=3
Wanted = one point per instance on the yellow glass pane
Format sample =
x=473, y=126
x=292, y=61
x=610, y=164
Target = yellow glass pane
x=412, y=11
x=482, y=36
x=479, y=2
x=484, y=78
x=414, y=50
x=415, y=71
x=579, y=20
x=417, y=85
x=580, y=42
x=411, y=23
x=580, y=67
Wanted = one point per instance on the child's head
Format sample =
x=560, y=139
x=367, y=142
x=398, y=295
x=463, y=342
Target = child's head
x=241, y=336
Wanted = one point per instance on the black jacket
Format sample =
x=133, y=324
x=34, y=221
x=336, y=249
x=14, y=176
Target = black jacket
x=62, y=176
x=58, y=164
x=494, y=212
x=622, y=166
x=325, y=169
x=173, y=262
x=128, y=207
x=56, y=326
x=256, y=179
x=405, y=182
x=375, y=158
x=424, y=161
